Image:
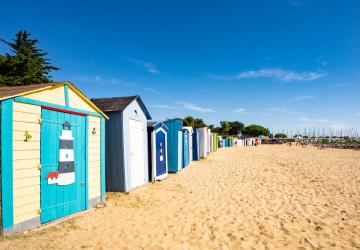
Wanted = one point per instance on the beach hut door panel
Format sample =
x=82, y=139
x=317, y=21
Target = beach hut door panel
x=160, y=154
x=137, y=170
x=63, y=166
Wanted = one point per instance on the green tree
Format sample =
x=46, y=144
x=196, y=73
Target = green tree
x=255, y=130
x=280, y=136
x=26, y=65
x=194, y=122
x=235, y=127
x=189, y=121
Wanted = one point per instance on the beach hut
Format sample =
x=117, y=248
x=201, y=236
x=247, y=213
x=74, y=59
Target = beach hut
x=215, y=142
x=185, y=148
x=211, y=141
x=157, y=150
x=195, y=145
x=52, y=154
x=203, y=142
x=126, y=142
x=208, y=141
x=175, y=144
x=190, y=131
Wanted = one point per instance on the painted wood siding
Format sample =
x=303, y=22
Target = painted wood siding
x=94, y=147
x=127, y=114
x=76, y=101
x=26, y=158
x=55, y=95
x=114, y=157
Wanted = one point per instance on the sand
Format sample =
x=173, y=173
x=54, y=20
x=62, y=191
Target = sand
x=271, y=196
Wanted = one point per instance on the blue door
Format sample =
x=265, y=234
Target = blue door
x=160, y=153
x=63, y=164
x=196, y=145
x=185, y=148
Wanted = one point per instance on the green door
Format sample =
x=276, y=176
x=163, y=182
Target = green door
x=63, y=164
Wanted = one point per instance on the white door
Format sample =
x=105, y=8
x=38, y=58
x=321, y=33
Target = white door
x=137, y=166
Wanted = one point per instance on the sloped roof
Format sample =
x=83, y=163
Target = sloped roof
x=11, y=91
x=119, y=104
x=8, y=92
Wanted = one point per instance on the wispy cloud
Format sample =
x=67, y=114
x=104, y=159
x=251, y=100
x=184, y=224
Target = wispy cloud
x=304, y=97
x=149, y=67
x=98, y=79
x=340, y=85
x=194, y=107
x=277, y=73
x=154, y=91
x=162, y=106
x=281, y=74
x=239, y=110
x=281, y=110
x=324, y=122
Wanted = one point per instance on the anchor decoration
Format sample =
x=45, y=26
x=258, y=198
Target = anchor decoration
x=66, y=172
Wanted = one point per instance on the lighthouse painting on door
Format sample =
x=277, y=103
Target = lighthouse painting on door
x=65, y=174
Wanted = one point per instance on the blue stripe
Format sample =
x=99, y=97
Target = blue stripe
x=87, y=162
x=102, y=158
x=66, y=90
x=41, y=103
x=7, y=163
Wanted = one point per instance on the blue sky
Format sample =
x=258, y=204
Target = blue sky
x=285, y=64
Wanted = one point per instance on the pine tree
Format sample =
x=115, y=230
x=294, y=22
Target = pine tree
x=27, y=65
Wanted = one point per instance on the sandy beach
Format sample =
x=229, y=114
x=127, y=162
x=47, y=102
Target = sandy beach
x=271, y=196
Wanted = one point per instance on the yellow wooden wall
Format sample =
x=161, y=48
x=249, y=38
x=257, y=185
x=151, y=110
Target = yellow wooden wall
x=76, y=101
x=54, y=95
x=94, y=176
x=26, y=157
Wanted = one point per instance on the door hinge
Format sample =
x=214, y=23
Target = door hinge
x=40, y=120
x=39, y=211
x=39, y=166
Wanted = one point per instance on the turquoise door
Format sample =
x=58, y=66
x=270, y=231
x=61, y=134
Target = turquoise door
x=185, y=148
x=63, y=164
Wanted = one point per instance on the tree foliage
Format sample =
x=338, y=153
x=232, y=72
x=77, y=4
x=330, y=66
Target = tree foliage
x=255, y=130
x=194, y=122
x=280, y=136
x=228, y=128
x=27, y=63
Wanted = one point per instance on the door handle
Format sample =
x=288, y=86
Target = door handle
x=82, y=183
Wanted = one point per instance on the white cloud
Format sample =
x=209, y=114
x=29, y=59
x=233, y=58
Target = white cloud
x=194, y=107
x=162, y=106
x=304, y=97
x=149, y=67
x=239, y=110
x=281, y=74
x=329, y=124
x=154, y=91
x=98, y=79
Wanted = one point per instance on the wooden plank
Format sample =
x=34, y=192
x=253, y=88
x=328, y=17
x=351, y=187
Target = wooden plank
x=25, y=164
x=27, y=154
x=27, y=108
x=25, y=217
x=30, y=190
x=20, y=136
x=26, y=117
x=26, y=173
x=26, y=182
x=26, y=200
x=29, y=145
x=25, y=126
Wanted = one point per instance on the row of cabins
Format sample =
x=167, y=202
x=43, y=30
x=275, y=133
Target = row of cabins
x=235, y=141
x=60, y=152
